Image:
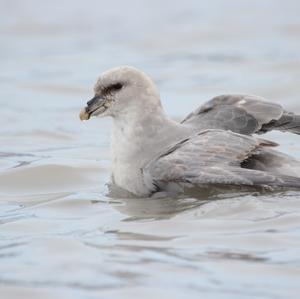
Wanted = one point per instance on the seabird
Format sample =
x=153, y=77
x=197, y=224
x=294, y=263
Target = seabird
x=212, y=146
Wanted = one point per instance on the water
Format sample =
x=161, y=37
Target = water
x=60, y=235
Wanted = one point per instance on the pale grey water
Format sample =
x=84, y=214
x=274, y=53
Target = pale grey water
x=60, y=236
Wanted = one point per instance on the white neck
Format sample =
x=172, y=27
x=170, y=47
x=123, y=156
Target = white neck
x=137, y=137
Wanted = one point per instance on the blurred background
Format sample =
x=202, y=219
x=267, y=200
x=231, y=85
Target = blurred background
x=60, y=234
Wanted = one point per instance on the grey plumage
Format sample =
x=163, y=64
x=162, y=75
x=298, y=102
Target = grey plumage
x=244, y=114
x=212, y=146
x=208, y=158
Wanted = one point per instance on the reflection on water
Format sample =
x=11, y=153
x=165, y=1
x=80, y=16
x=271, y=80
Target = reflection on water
x=60, y=235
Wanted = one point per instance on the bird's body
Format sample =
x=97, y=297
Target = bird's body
x=129, y=158
x=211, y=146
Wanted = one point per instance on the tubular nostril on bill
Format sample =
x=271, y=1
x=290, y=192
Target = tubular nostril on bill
x=93, y=100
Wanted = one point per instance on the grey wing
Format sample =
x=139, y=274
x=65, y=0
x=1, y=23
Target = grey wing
x=244, y=114
x=214, y=157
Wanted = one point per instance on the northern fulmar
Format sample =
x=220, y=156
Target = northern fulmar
x=212, y=146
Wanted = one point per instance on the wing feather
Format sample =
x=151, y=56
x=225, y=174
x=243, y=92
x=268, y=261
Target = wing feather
x=244, y=114
x=214, y=157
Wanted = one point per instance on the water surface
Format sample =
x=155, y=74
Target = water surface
x=60, y=235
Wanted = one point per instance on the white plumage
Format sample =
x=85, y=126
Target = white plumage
x=151, y=152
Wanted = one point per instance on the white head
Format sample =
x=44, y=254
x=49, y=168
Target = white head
x=121, y=91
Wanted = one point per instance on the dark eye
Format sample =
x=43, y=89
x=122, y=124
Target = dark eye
x=116, y=86
x=112, y=88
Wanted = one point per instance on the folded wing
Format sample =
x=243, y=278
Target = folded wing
x=214, y=157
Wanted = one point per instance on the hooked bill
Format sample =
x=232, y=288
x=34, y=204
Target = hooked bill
x=83, y=115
